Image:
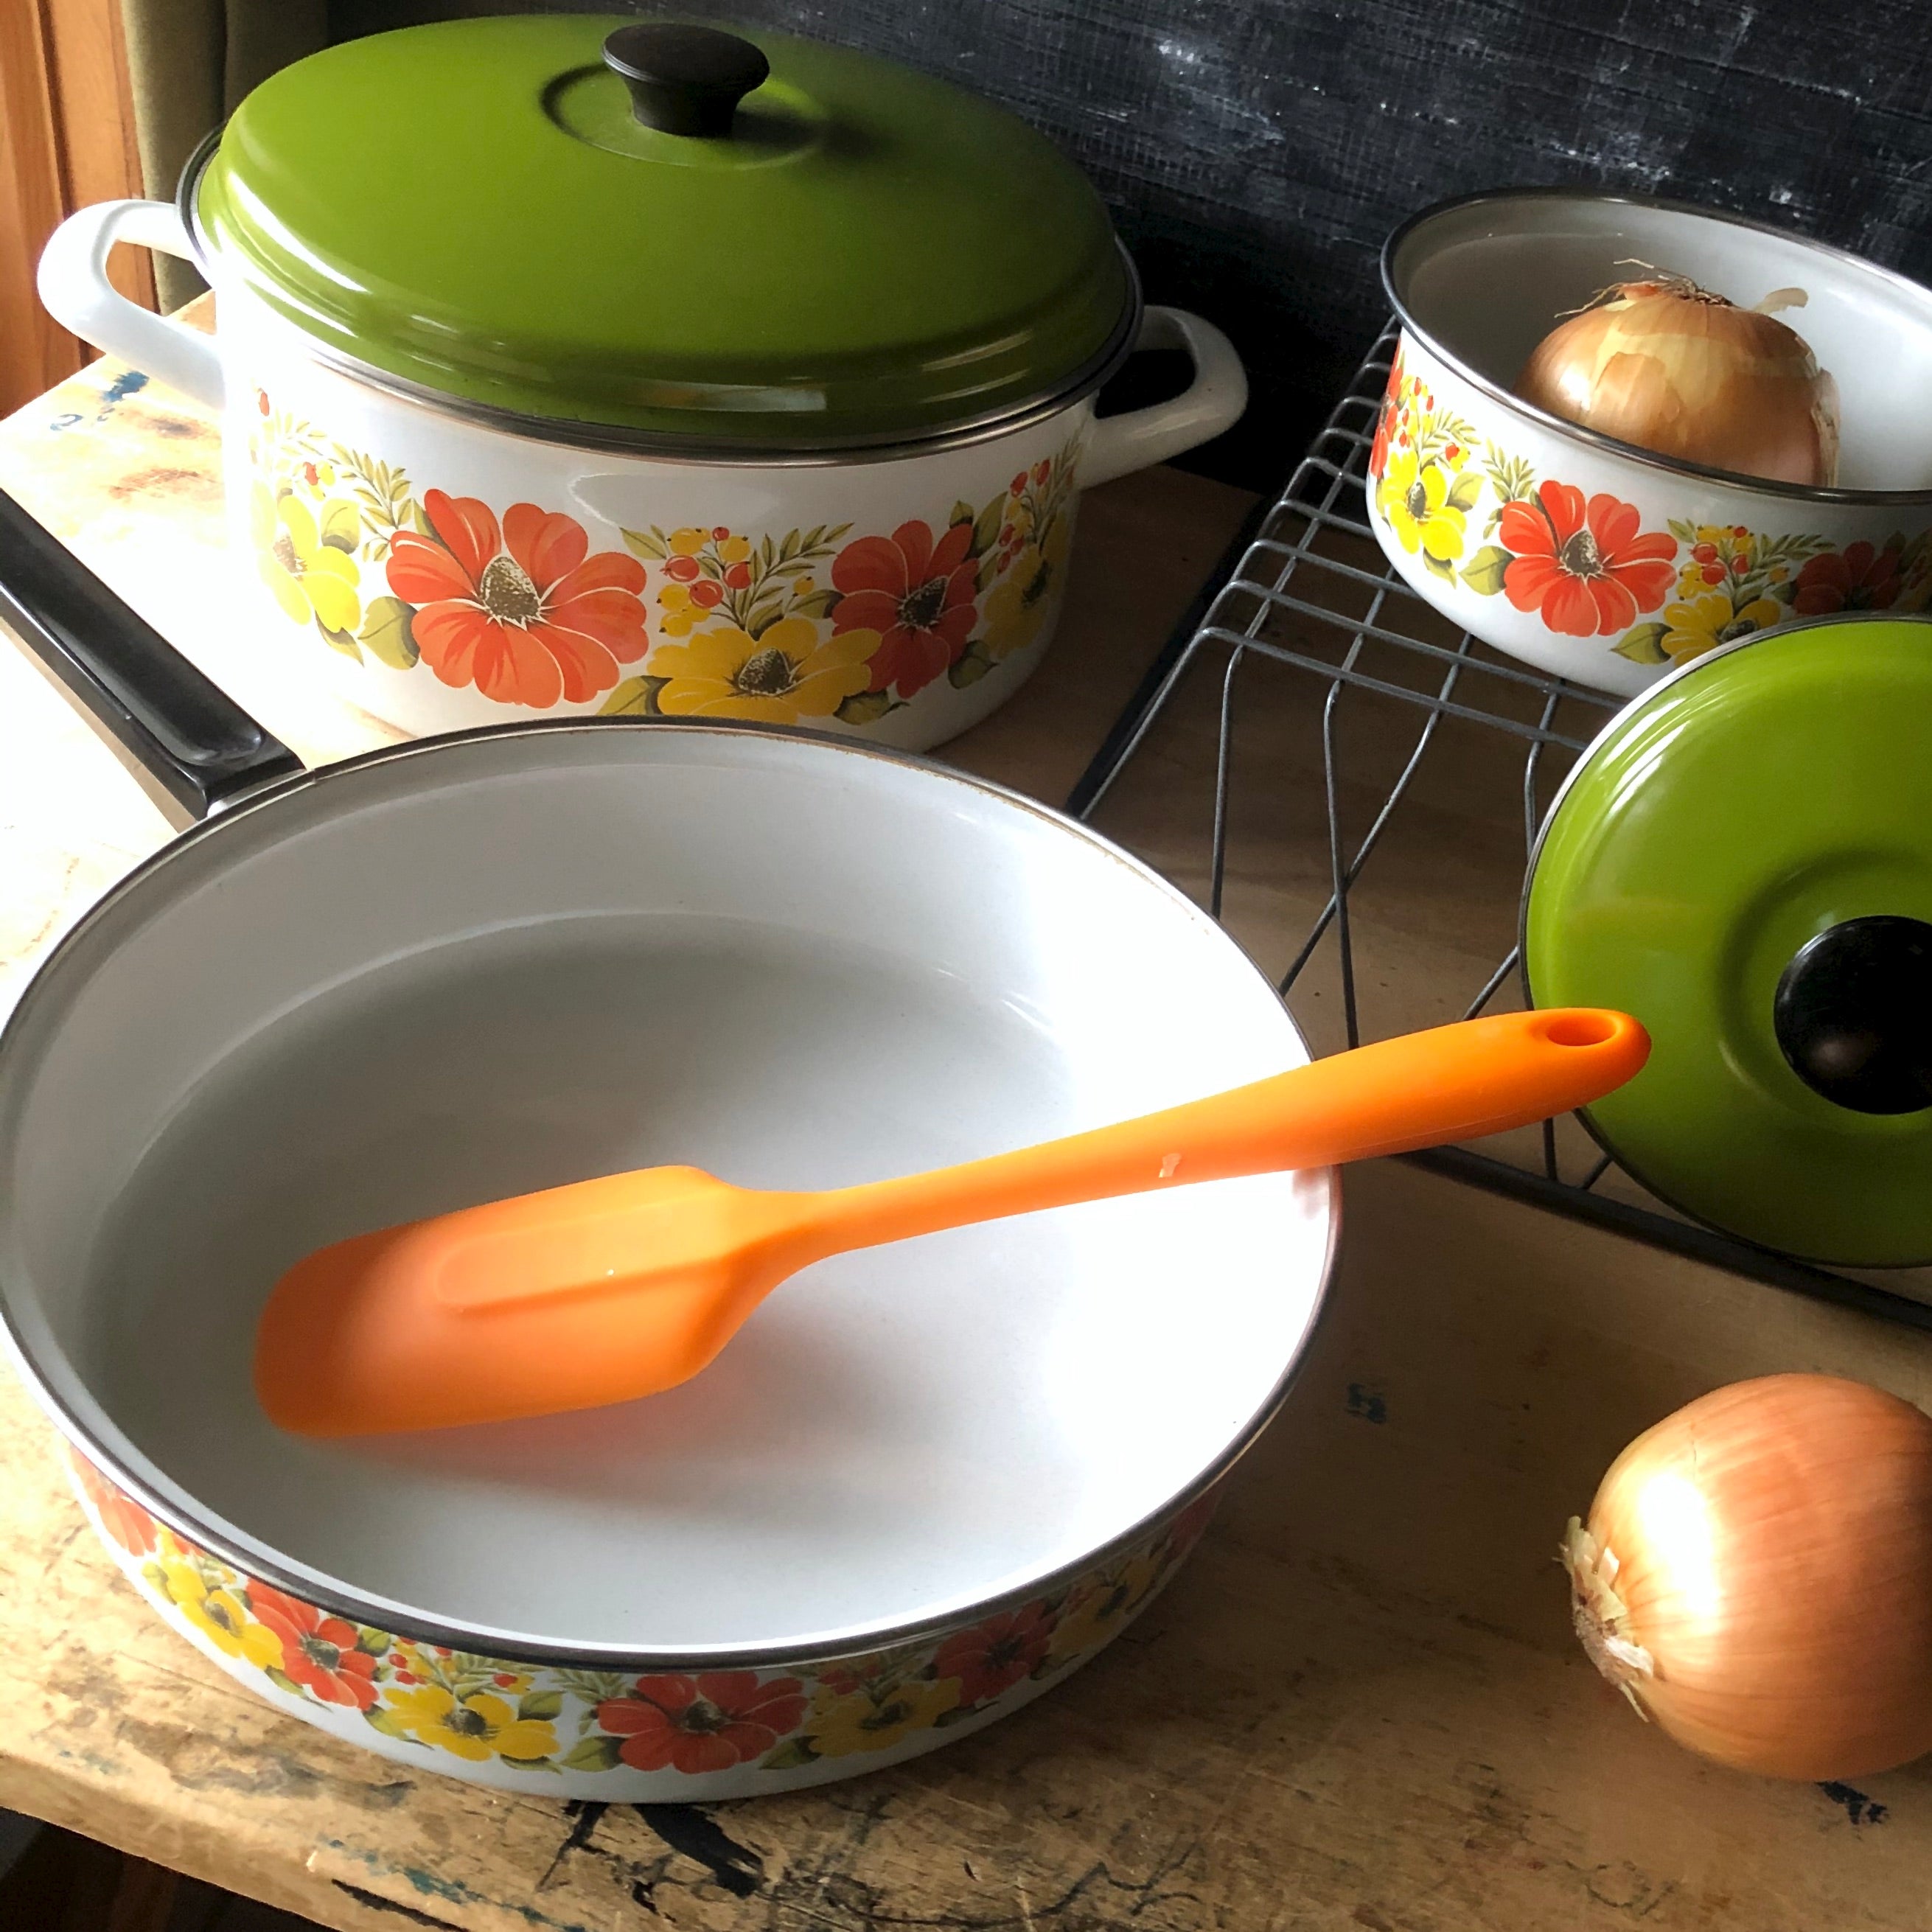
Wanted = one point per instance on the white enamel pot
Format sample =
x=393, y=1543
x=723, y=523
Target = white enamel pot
x=898, y=587
x=1591, y=559
x=924, y=1484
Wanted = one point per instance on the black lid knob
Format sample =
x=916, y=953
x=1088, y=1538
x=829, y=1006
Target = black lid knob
x=684, y=79
x=1853, y=1015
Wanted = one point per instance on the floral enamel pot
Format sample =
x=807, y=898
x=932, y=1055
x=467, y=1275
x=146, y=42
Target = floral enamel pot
x=694, y=375
x=1589, y=558
x=925, y=1482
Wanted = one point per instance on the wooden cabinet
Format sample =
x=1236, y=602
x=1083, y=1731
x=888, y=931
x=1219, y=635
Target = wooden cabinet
x=67, y=138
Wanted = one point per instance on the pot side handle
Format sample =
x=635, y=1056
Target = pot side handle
x=76, y=291
x=1213, y=401
x=191, y=747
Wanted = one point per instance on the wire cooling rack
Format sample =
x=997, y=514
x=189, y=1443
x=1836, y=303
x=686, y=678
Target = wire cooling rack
x=1347, y=713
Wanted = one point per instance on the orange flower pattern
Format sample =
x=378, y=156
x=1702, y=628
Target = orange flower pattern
x=917, y=595
x=450, y=1704
x=706, y=1723
x=520, y=609
x=1584, y=566
x=123, y=1520
x=797, y=628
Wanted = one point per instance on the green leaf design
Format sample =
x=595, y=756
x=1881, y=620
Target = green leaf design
x=1514, y=479
x=593, y=1754
x=380, y=1717
x=388, y=629
x=792, y=1755
x=989, y=568
x=1469, y=486
x=635, y=698
x=593, y=1686
x=374, y=1642
x=817, y=603
x=1483, y=572
x=546, y=1704
x=1445, y=570
x=986, y=525
x=282, y=1681
x=1644, y=645
x=341, y=527
x=972, y=667
x=866, y=708
x=764, y=616
x=1684, y=532
x=962, y=512
x=339, y=640
x=647, y=544
x=420, y=519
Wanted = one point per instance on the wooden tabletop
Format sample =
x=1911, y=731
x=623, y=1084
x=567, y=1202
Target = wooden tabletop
x=1359, y=1706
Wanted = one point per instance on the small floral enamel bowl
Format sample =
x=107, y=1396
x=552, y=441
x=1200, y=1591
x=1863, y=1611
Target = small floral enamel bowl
x=1590, y=558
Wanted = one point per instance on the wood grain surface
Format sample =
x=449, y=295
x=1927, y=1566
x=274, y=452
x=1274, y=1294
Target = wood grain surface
x=1359, y=1706
x=1256, y=152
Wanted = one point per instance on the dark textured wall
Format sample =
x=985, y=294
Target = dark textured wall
x=1255, y=152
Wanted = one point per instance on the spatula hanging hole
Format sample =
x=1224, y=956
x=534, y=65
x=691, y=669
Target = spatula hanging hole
x=1580, y=1029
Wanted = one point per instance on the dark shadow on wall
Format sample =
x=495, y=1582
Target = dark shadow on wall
x=1255, y=152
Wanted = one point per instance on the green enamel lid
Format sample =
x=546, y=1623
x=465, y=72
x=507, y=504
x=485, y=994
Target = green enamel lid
x=1769, y=801
x=475, y=208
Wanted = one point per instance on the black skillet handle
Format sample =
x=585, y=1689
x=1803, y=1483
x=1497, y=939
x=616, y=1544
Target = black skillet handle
x=192, y=747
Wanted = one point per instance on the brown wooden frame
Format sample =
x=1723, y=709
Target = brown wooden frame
x=66, y=138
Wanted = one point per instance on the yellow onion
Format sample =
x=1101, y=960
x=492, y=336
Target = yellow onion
x=1755, y=1575
x=1673, y=368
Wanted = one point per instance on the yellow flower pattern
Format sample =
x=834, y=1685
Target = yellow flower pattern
x=1428, y=473
x=1702, y=622
x=1414, y=497
x=872, y=1720
x=308, y=561
x=782, y=675
x=482, y=1711
x=478, y=1727
x=218, y=1612
x=328, y=524
x=1094, y=1612
x=1018, y=603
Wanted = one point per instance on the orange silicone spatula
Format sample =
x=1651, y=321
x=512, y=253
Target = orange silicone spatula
x=606, y=1290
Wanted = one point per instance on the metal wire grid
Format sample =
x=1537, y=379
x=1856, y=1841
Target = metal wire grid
x=1290, y=560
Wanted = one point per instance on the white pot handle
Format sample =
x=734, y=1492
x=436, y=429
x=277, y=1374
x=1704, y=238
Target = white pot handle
x=76, y=291
x=1211, y=403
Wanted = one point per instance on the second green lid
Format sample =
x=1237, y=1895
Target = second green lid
x=851, y=253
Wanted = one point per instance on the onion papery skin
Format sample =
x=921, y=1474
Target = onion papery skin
x=1691, y=377
x=1756, y=1574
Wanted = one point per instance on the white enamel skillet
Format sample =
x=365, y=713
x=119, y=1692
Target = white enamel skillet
x=912, y=1494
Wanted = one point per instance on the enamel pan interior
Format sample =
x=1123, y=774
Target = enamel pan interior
x=500, y=962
